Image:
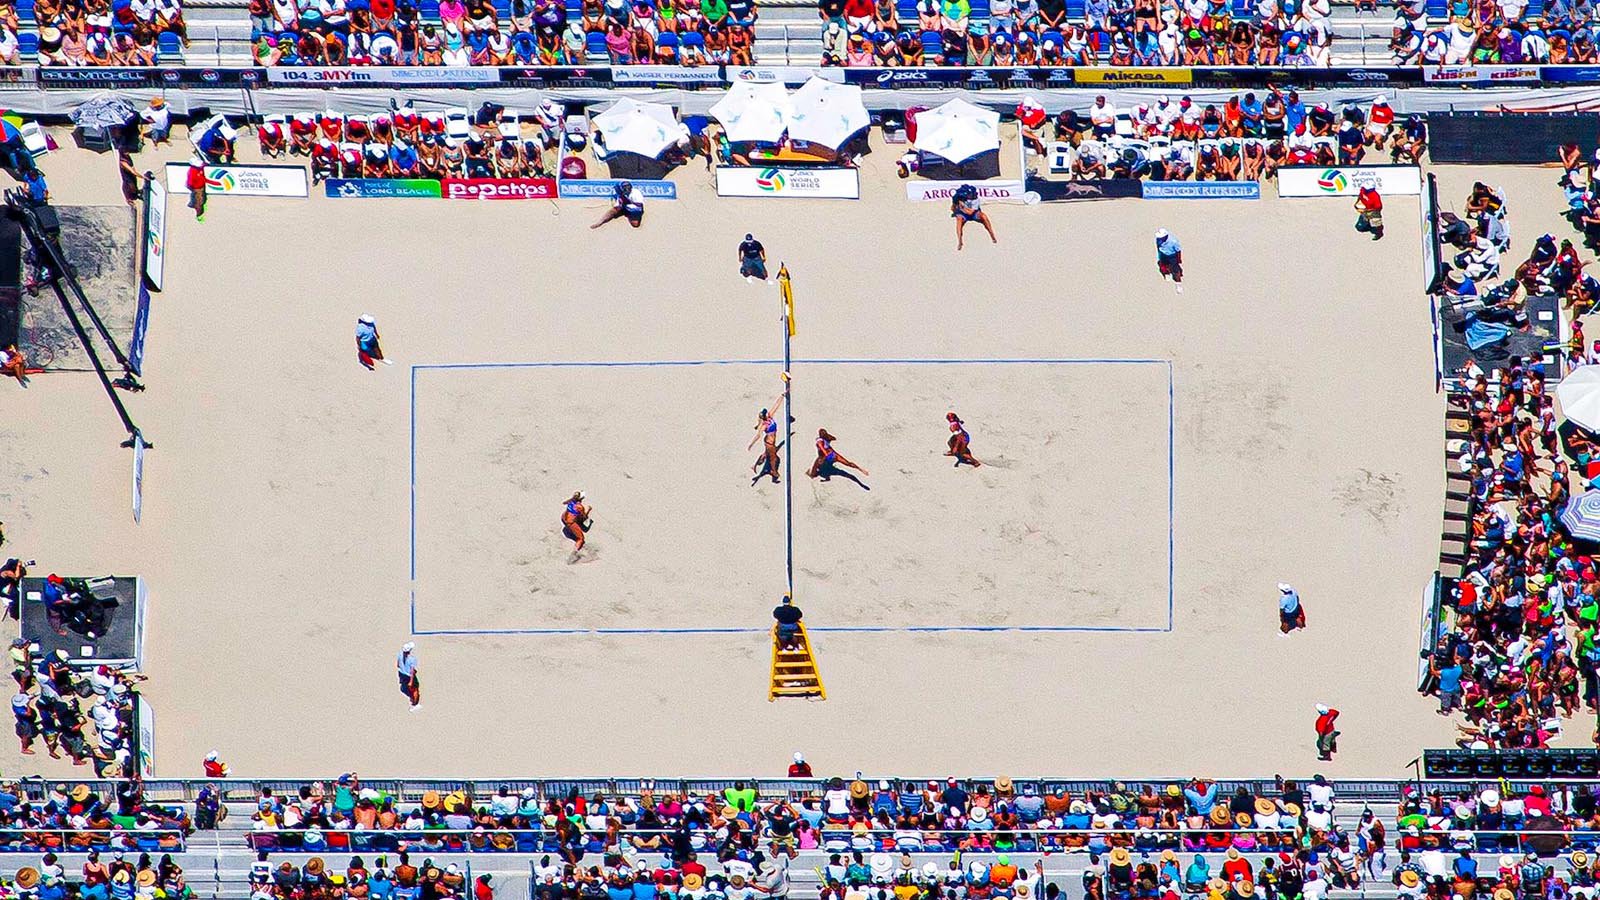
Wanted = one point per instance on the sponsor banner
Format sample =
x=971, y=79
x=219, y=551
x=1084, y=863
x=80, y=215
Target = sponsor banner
x=155, y=232
x=1571, y=74
x=1481, y=74
x=779, y=181
x=907, y=78
x=606, y=188
x=384, y=75
x=1102, y=189
x=1200, y=190
x=243, y=181
x=556, y=76
x=987, y=190
x=348, y=188
x=92, y=76
x=1133, y=75
x=205, y=77
x=1345, y=181
x=783, y=74
x=703, y=76
x=1259, y=77
x=499, y=188
x=141, y=327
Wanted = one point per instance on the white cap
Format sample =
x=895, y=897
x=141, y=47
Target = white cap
x=367, y=320
x=799, y=758
x=212, y=756
x=1161, y=233
x=1322, y=709
x=407, y=647
x=1284, y=587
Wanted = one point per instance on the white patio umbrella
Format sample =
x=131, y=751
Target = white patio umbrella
x=753, y=112
x=1579, y=396
x=647, y=129
x=826, y=113
x=958, y=130
x=1582, y=515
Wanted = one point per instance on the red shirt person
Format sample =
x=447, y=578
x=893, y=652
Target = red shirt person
x=1327, y=736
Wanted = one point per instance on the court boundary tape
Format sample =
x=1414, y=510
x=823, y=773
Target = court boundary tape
x=834, y=629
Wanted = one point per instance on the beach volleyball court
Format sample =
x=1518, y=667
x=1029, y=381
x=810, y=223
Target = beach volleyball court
x=1040, y=537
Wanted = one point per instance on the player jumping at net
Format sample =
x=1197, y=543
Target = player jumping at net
x=576, y=522
x=829, y=460
x=960, y=442
x=767, y=432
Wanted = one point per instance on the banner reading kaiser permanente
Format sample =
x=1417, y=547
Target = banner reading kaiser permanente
x=499, y=188
x=779, y=181
x=1345, y=181
x=243, y=181
x=987, y=190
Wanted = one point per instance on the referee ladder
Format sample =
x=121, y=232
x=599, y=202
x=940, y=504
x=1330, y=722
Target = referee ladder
x=794, y=672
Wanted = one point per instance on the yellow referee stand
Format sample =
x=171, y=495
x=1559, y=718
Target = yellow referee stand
x=794, y=671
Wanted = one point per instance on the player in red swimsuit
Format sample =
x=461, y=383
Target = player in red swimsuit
x=829, y=460
x=960, y=442
x=575, y=521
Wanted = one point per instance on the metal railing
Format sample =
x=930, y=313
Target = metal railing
x=412, y=790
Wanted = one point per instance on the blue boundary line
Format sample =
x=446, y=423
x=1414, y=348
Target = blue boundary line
x=836, y=629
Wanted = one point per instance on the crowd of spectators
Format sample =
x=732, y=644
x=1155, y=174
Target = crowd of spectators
x=502, y=32
x=91, y=32
x=1499, y=32
x=77, y=819
x=86, y=715
x=408, y=144
x=1518, y=648
x=842, y=818
x=1245, y=138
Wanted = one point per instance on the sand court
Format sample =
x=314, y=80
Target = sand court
x=1040, y=537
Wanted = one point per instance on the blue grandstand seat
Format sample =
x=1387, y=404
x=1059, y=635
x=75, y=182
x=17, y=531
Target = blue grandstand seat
x=595, y=43
x=1244, y=8
x=574, y=8
x=169, y=47
x=1535, y=9
x=1438, y=9
x=429, y=10
x=907, y=10
x=503, y=8
x=1074, y=10
x=28, y=44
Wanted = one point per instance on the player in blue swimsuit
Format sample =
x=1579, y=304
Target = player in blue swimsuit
x=767, y=433
x=829, y=460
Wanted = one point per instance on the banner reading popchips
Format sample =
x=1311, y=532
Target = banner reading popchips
x=499, y=188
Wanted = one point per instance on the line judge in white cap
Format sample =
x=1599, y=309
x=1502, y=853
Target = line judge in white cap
x=410, y=680
x=1169, y=257
x=1291, y=614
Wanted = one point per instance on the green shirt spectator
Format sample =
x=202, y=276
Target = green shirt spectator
x=739, y=797
x=716, y=12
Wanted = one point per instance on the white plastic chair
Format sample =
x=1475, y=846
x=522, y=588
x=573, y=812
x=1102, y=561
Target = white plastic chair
x=457, y=125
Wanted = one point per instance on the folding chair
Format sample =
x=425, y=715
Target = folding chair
x=457, y=125
x=1060, y=156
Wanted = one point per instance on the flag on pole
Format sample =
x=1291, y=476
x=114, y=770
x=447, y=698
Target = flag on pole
x=787, y=289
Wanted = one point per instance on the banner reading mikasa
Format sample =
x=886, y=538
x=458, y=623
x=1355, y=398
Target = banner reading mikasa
x=771, y=181
x=1345, y=181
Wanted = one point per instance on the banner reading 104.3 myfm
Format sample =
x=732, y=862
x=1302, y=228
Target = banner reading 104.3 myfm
x=1346, y=181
